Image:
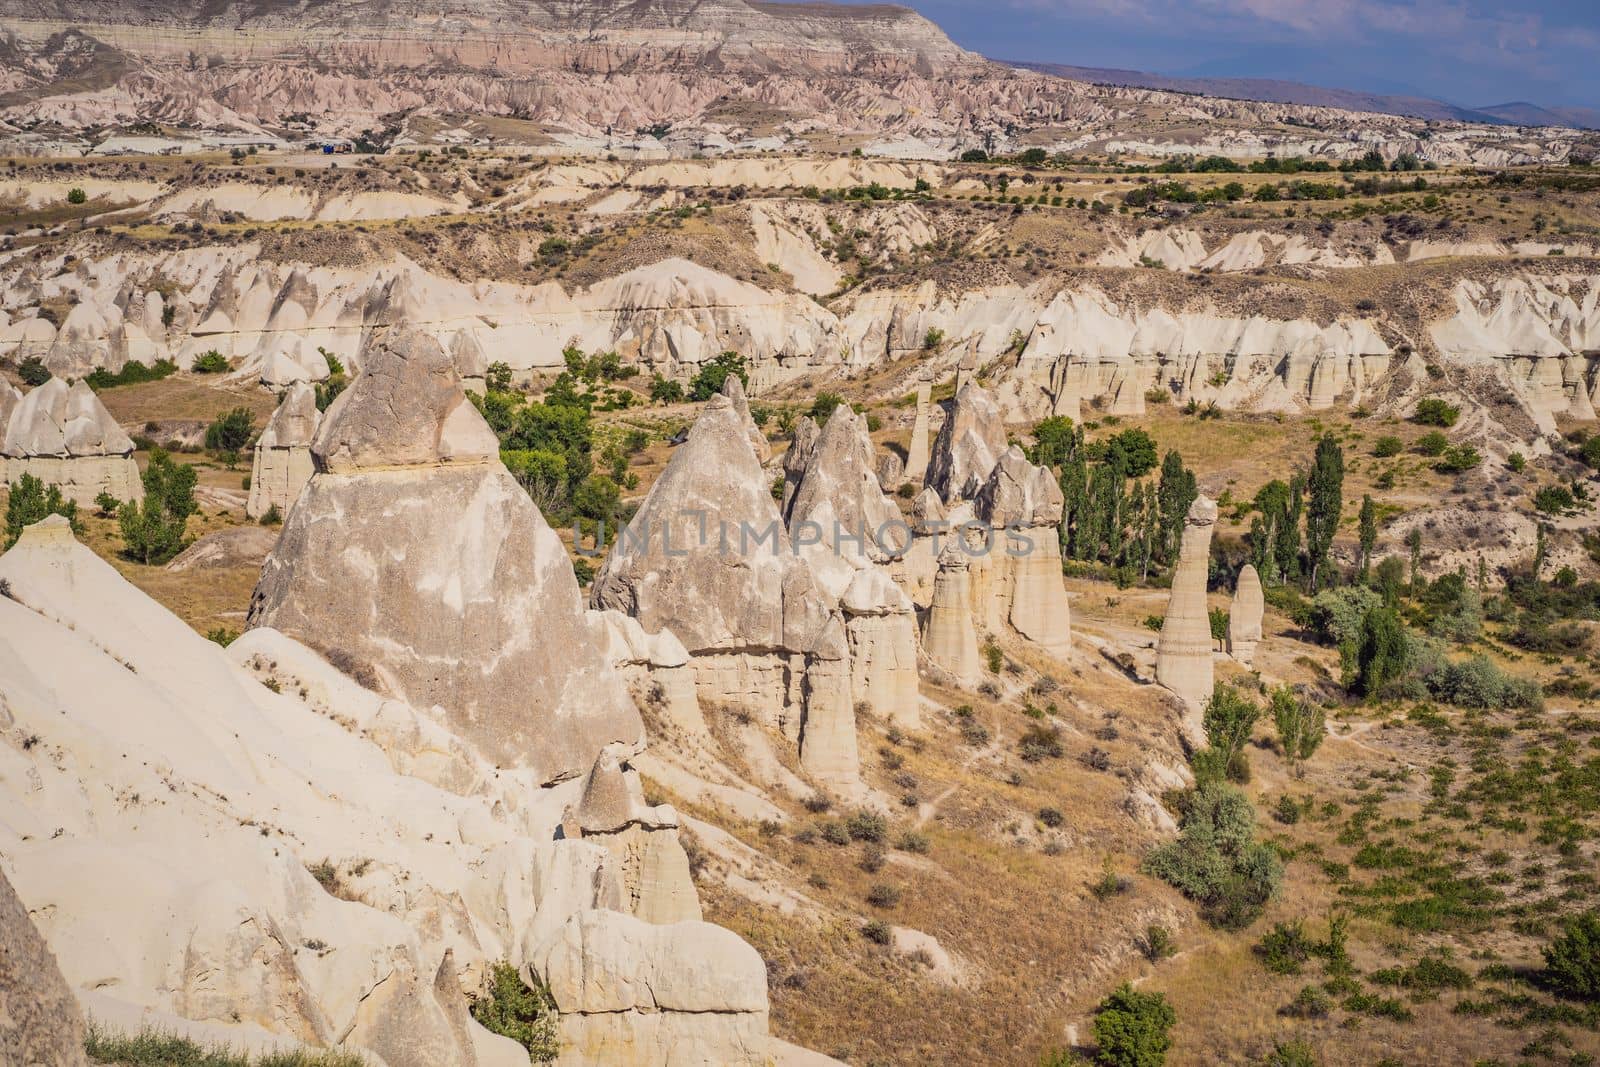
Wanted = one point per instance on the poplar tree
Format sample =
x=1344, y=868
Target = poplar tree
x=1326, y=487
x=1369, y=536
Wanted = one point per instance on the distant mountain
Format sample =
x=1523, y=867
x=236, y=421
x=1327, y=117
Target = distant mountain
x=1525, y=114
x=1287, y=92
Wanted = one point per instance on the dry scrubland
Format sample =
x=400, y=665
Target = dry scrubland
x=1454, y=840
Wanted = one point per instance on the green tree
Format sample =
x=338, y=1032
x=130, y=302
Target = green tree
x=708, y=382
x=1301, y=727
x=152, y=531
x=1056, y=440
x=1414, y=547
x=1175, y=492
x=597, y=497
x=1132, y=1029
x=1139, y=451
x=1572, y=961
x=1216, y=860
x=1230, y=717
x=666, y=390
x=497, y=376
x=1368, y=536
x=1384, y=651
x=31, y=502
x=1326, y=489
x=231, y=431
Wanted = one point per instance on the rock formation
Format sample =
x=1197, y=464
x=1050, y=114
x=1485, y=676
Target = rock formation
x=329, y=867
x=708, y=558
x=948, y=634
x=968, y=446
x=839, y=509
x=1244, y=618
x=633, y=992
x=62, y=435
x=414, y=559
x=917, y=452
x=282, y=463
x=39, y=1020
x=466, y=352
x=1022, y=503
x=651, y=863
x=1183, y=651
x=881, y=625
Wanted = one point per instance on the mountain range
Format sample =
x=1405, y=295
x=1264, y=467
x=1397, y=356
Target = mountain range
x=1516, y=113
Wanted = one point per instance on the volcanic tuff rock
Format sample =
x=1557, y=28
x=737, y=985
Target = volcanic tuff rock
x=1244, y=617
x=414, y=555
x=64, y=436
x=948, y=634
x=651, y=863
x=1025, y=502
x=441, y=861
x=39, y=1021
x=633, y=992
x=282, y=463
x=968, y=446
x=917, y=452
x=708, y=558
x=839, y=496
x=1183, y=651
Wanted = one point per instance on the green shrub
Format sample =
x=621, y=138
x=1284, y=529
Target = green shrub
x=1296, y=1053
x=1131, y=1029
x=708, y=382
x=1517, y=463
x=273, y=516
x=1433, y=444
x=1572, y=961
x=883, y=895
x=32, y=502
x=132, y=373
x=867, y=826
x=76, y=196
x=212, y=362
x=508, y=1006
x=155, y=1048
x=1309, y=1003
x=1285, y=948
x=1051, y=817
x=105, y=505
x=1433, y=411
x=1458, y=459
x=1555, y=500
x=223, y=636
x=1157, y=944
x=33, y=372
x=993, y=657
x=1387, y=446
x=877, y=931
x=1040, y=741
x=1216, y=860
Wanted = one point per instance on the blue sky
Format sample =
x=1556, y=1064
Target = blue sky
x=1469, y=52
